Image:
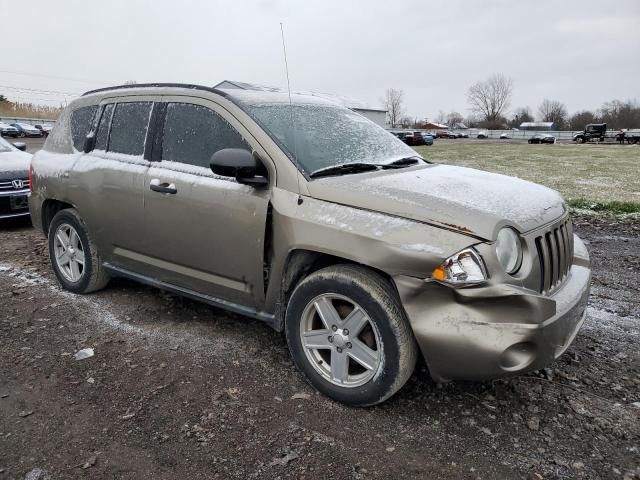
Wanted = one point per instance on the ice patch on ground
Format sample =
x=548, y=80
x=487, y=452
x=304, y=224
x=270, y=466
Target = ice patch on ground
x=98, y=311
x=88, y=306
x=601, y=320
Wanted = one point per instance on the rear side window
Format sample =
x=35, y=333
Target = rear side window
x=129, y=127
x=103, y=127
x=81, y=119
x=193, y=133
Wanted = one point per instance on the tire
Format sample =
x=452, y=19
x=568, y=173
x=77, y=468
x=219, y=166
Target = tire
x=91, y=276
x=384, y=339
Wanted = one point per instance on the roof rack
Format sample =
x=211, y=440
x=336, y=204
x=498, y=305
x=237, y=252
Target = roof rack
x=148, y=85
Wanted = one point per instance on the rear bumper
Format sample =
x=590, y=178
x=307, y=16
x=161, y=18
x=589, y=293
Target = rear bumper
x=35, y=208
x=498, y=330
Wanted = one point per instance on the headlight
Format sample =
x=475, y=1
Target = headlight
x=509, y=250
x=462, y=269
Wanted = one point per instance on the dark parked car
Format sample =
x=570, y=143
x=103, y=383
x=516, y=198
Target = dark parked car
x=542, y=138
x=26, y=130
x=7, y=130
x=413, y=138
x=45, y=128
x=14, y=180
x=446, y=134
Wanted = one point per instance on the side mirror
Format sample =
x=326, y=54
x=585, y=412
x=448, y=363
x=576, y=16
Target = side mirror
x=20, y=146
x=89, y=143
x=241, y=164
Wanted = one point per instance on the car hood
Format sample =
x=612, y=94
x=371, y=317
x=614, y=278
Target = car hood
x=470, y=201
x=14, y=164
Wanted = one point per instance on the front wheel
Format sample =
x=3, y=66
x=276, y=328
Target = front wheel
x=348, y=334
x=73, y=254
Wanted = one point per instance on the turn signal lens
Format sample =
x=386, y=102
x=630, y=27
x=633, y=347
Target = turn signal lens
x=465, y=268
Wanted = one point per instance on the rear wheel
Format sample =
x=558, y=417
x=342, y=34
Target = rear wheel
x=74, y=256
x=349, y=336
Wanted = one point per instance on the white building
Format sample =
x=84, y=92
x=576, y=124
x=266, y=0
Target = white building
x=376, y=115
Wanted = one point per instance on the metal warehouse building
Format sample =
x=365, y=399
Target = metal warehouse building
x=376, y=115
x=536, y=126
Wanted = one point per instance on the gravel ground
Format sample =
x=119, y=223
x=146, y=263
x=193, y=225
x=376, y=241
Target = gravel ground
x=181, y=390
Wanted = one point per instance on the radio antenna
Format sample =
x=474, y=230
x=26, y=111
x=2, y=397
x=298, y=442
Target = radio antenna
x=293, y=130
x=286, y=64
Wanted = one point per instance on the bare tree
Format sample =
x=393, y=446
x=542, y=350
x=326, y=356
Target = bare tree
x=408, y=122
x=393, y=104
x=522, y=114
x=453, y=119
x=553, y=111
x=490, y=99
x=579, y=119
x=441, y=117
x=619, y=114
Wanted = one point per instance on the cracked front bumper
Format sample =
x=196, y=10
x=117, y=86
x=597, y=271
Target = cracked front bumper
x=497, y=330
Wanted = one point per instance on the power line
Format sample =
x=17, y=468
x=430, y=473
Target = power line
x=32, y=74
x=40, y=91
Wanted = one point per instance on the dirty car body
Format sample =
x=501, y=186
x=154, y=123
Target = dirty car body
x=435, y=237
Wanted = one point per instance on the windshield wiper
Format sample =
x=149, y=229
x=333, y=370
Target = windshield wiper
x=344, y=168
x=403, y=162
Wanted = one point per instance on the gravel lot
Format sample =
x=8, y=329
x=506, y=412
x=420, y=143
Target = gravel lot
x=178, y=389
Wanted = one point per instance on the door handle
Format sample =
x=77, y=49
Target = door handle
x=157, y=186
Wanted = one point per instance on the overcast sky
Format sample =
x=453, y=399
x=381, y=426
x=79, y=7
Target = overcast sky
x=579, y=52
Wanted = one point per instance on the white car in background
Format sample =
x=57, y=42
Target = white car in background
x=7, y=130
x=14, y=179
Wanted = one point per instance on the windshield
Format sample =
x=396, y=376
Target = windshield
x=5, y=146
x=327, y=135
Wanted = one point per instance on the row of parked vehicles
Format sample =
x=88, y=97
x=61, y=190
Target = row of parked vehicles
x=426, y=138
x=21, y=129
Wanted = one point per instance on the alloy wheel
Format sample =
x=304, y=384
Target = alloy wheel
x=340, y=341
x=69, y=252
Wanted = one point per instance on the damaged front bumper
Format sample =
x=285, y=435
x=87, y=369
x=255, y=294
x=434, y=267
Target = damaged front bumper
x=497, y=330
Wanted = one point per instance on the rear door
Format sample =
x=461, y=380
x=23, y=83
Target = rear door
x=107, y=183
x=206, y=233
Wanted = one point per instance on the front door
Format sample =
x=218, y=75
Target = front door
x=205, y=233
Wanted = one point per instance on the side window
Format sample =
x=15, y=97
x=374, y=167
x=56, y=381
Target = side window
x=129, y=127
x=81, y=124
x=193, y=133
x=103, y=127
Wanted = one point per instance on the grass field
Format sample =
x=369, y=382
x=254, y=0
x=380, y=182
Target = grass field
x=599, y=177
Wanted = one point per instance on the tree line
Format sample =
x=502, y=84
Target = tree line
x=489, y=102
x=27, y=110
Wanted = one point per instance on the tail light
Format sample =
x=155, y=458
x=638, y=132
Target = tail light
x=31, y=177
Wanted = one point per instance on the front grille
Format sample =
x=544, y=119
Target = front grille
x=7, y=185
x=555, y=252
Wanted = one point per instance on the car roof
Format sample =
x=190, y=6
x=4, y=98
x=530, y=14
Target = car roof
x=248, y=97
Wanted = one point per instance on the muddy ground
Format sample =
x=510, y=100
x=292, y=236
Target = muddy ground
x=180, y=390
